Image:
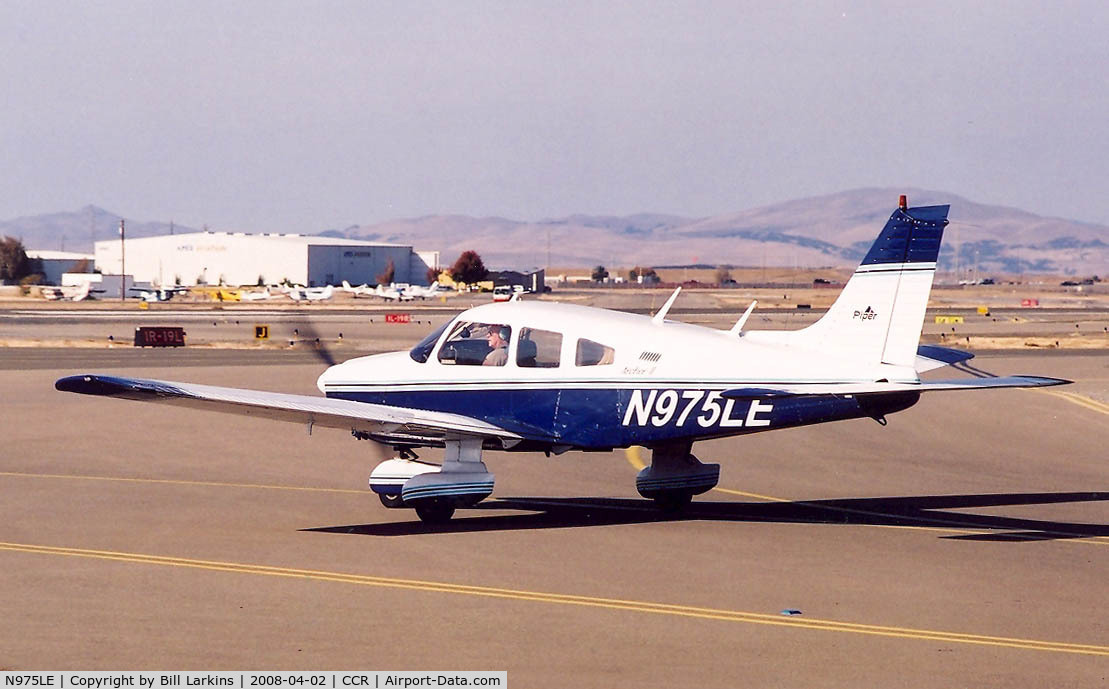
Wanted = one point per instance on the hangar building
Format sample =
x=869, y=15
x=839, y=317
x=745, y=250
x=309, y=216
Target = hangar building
x=54, y=263
x=248, y=259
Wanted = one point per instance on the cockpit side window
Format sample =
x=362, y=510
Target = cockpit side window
x=538, y=348
x=590, y=353
x=422, y=351
x=476, y=344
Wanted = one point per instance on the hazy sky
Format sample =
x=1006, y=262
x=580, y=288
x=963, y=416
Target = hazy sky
x=263, y=115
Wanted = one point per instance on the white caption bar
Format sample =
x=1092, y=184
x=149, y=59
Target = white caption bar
x=251, y=680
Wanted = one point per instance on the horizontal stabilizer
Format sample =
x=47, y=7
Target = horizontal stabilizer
x=877, y=388
x=929, y=357
x=318, y=411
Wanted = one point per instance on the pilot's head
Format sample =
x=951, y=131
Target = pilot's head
x=498, y=335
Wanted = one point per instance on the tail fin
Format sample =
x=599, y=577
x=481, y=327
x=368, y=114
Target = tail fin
x=879, y=315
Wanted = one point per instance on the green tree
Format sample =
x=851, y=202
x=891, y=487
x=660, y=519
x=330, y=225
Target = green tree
x=469, y=268
x=599, y=274
x=14, y=263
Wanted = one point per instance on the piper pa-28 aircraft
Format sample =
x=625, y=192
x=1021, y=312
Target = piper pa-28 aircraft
x=551, y=377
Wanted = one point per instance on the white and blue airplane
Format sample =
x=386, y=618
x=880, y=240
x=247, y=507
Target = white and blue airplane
x=551, y=377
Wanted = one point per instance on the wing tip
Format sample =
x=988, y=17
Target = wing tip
x=111, y=386
x=1044, y=381
x=79, y=383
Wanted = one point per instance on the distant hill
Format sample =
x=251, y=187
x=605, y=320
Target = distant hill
x=77, y=230
x=833, y=231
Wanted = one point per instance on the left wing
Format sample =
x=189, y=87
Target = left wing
x=377, y=419
x=877, y=388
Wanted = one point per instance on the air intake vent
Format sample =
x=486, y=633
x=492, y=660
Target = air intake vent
x=650, y=356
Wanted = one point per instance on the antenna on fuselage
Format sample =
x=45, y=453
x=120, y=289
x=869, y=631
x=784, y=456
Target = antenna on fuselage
x=737, y=329
x=661, y=315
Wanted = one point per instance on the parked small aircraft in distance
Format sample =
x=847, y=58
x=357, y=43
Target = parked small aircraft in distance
x=391, y=293
x=264, y=295
x=430, y=292
x=551, y=377
x=311, y=293
x=66, y=293
x=362, y=290
x=394, y=292
x=158, y=294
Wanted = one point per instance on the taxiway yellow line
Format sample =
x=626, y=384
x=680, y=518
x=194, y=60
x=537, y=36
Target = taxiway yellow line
x=1081, y=400
x=767, y=498
x=647, y=607
x=635, y=459
x=1071, y=538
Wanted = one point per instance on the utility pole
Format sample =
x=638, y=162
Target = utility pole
x=122, y=263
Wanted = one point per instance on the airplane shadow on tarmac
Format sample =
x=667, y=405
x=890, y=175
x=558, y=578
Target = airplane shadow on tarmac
x=929, y=511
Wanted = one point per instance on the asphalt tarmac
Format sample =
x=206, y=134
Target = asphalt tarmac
x=965, y=544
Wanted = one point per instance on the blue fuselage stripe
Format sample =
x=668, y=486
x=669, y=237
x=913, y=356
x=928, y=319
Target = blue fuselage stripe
x=604, y=418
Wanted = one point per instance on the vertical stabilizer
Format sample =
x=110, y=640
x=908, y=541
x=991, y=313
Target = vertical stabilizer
x=878, y=317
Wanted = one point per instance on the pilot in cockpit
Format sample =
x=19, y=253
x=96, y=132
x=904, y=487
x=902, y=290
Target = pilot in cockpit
x=497, y=338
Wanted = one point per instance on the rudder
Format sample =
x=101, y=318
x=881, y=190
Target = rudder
x=878, y=317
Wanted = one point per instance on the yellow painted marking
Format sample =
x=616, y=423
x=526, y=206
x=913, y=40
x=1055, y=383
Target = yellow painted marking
x=768, y=498
x=176, y=482
x=635, y=460
x=632, y=458
x=1075, y=398
x=570, y=599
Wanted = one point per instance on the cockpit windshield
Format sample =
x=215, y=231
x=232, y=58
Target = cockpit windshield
x=422, y=351
x=476, y=344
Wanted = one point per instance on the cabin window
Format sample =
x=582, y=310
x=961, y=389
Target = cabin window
x=592, y=353
x=538, y=348
x=476, y=344
x=422, y=351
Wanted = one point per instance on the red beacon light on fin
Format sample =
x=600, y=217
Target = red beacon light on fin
x=903, y=202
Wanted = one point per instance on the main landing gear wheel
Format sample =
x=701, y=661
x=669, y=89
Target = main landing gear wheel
x=391, y=500
x=675, y=476
x=434, y=511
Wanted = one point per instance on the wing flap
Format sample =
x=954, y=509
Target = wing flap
x=319, y=411
x=877, y=388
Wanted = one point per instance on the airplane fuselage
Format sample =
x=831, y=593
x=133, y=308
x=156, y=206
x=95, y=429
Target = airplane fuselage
x=662, y=381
